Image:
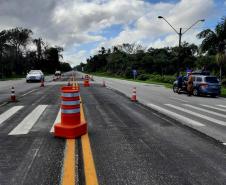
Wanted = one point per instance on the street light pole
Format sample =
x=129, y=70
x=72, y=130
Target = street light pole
x=180, y=33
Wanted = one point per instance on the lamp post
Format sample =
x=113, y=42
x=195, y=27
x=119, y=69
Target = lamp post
x=180, y=33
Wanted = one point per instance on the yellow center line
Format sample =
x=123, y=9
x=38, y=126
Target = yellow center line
x=69, y=163
x=89, y=167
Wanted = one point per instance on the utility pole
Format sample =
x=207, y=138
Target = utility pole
x=180, y=33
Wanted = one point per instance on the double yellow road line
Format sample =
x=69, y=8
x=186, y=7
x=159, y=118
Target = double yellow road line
x=68, y=172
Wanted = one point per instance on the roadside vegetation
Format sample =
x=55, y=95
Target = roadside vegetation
x=19, y=53
x=161, y=65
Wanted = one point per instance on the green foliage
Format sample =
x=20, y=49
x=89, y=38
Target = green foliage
x=223, y=82
x=143, y=77
x=16, y=59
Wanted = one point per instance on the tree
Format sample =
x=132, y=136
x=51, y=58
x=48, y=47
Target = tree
x=215, y=41
x=38, y=42
x=3, y=44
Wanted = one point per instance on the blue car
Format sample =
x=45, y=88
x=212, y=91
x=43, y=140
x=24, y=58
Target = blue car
x=206, y=85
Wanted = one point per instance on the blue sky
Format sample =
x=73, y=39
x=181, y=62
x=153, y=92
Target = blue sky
x=82, y=27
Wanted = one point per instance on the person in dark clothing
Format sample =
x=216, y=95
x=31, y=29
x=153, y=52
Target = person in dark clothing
x=179, y=83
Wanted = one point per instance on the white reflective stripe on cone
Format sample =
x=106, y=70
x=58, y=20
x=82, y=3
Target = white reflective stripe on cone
x=69, y=94
x=70, y=111
x=70, y=102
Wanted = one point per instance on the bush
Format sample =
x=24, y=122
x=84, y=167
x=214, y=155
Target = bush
x=143, y=77
x=223, y=82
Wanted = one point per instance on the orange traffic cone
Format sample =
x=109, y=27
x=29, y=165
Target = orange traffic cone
x=42, y=83
x=103, y=84
x=71, y=125
x=13, y=96
x=134, y=96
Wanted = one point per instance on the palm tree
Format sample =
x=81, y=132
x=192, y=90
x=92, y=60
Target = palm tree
x=215, y=42
x=38, y=42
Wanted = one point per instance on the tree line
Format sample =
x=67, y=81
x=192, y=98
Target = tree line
x=17, y=56
x=120, y=60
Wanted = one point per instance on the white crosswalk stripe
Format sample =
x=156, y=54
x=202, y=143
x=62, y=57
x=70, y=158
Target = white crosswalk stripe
x=224, y=106
x=176, y=116
x=212, y=107
x=197, y=114
x=6, y=115
x=204, y=110
x=28, y=122
x=58, y=119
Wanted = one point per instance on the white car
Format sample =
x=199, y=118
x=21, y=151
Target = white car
x=35, y=75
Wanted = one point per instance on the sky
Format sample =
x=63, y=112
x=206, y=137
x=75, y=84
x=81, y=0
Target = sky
x=82, y=27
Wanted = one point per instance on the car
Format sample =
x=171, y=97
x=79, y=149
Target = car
x=35, y=75
x=202, y=85
x=206, y=85
x=184, y=85
x=58, y=73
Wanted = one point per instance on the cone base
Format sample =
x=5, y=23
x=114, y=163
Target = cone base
x=133, y=99
x=70, y=132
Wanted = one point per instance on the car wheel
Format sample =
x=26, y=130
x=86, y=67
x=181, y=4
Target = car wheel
x=195, y=92
x=175, y=89
x=213, y=95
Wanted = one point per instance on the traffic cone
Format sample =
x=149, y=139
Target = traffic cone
x=134, y=96
x=71, y=125
x=13, y=96
x=103, y=84
x=42, y=83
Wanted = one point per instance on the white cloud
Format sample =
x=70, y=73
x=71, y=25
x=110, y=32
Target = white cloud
x=71, y=23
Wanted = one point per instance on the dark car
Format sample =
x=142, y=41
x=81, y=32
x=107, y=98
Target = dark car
x=184, y=85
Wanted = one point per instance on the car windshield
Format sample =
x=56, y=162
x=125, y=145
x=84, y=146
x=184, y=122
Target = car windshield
x=211, y=80
x=34, y=72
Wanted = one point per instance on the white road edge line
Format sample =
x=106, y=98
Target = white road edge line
x=204, y=110
x=6, y=115
x=28, y=122
x=176, y=116
x=28, y=92
x=224, y=106
x=197, y=115
x=58, y=119
x=209, y=106
x=178, y=99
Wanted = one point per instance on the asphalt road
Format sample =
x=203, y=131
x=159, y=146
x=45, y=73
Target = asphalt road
x=130, y=143
x=204, y=114
x=21, y=87
x=34, y=157
x=133, y=144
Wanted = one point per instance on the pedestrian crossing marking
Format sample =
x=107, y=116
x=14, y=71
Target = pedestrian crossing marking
x=197, y=114
x=58, y=119
x=224, y=106
x=212, y=107
x=176, y=116
x=6, y=115
x=204, y=110
x=28, y=122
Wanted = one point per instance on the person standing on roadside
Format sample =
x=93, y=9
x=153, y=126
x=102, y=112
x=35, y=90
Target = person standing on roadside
x=190, y=84
x=180, y=83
